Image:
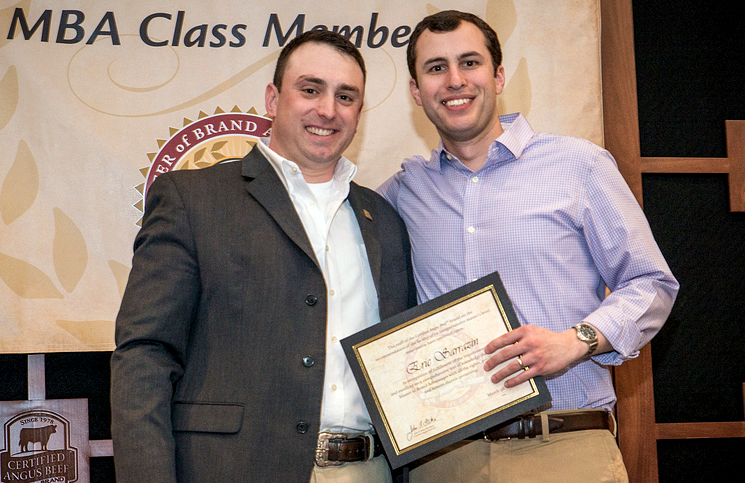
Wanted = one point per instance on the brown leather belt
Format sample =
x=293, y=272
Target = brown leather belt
x=529, y=425
x=337, y=449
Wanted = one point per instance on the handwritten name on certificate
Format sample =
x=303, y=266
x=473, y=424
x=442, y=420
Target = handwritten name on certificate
x=428, y=375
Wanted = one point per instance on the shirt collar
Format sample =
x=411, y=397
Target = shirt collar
x=291, y=176
x=508, y=147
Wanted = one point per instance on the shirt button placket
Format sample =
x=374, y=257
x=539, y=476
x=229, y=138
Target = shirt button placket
x=470, y=222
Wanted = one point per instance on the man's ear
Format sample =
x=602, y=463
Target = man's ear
x=415, y=92
x=270, y=100
x=359, y=115
x=499, y=79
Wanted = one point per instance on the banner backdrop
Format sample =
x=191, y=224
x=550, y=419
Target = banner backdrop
x=98, y=97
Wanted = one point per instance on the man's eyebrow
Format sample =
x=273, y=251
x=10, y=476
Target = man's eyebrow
x=320, y=82
x=350, y=88
x=469, y=54
x=435, y=60
x=311, y=79
x=465, y=55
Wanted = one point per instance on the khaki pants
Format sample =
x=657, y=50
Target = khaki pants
x=373, y=471
x=574, y=457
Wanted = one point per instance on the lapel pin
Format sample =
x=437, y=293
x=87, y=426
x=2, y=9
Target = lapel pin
x=367, y=214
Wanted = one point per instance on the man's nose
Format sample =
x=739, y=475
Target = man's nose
x=326, y=106
x=456, y=78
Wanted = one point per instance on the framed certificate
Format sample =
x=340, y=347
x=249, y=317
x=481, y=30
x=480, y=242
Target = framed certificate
x=421, y=372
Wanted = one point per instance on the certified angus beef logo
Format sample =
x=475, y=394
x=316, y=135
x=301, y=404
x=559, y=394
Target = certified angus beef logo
x=211, y=139
x=37, y=449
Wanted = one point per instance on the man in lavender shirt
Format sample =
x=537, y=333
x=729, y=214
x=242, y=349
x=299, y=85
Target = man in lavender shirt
x=555, y=218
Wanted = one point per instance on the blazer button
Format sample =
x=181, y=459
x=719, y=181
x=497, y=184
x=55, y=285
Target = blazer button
x=302, y=427
x=311, y=300
x=308, y=361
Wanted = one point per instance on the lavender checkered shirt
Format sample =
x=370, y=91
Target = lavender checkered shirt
x=553, y=215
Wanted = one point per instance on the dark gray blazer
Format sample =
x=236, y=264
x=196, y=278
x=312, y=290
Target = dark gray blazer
x=224, y=304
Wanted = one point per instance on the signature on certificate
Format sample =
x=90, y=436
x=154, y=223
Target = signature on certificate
x=421, y=427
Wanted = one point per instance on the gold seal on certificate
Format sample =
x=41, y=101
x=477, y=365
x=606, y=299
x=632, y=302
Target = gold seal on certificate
x=422, y=375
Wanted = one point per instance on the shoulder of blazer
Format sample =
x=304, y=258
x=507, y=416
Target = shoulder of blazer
x=254, y=164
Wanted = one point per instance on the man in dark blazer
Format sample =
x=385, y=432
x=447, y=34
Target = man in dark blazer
x=222, y=340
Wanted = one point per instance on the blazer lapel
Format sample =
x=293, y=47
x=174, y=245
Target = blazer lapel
x=265, y=186
x=364, y=211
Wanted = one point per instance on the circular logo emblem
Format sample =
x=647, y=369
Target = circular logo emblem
x=220, y=137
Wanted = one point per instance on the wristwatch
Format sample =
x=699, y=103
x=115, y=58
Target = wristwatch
x=587, y=334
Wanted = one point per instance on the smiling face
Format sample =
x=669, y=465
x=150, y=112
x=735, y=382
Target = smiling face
x=456, y=85
x=317, y=110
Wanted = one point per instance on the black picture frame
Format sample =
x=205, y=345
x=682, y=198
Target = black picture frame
x=378, y=396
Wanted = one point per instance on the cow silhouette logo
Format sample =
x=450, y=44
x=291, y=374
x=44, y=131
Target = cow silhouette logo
x=36, y=435
x=37, y=449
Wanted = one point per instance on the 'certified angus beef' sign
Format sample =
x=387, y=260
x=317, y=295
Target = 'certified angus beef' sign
x=38, y=446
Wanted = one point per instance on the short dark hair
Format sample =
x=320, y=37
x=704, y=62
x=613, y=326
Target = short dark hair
x=327, y=37
x=447, y=21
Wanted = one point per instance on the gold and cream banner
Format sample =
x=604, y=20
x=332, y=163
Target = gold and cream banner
x=98, y=97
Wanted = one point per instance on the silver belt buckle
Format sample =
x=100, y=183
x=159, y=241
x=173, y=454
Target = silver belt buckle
x=322, y=449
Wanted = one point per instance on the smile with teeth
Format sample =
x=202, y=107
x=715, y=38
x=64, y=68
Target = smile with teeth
x=319, y=132
x=456, y=102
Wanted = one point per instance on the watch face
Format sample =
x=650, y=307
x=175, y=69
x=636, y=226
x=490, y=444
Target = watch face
x=586, y=332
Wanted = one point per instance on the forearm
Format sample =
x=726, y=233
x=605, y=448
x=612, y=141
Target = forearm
x=632, y=315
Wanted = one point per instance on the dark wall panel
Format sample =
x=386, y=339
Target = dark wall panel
x=690, y=61
x=698, y=355
x=14, y=377
x=701, y=460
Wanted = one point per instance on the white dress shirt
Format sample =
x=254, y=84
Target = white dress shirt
x=335, y=236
